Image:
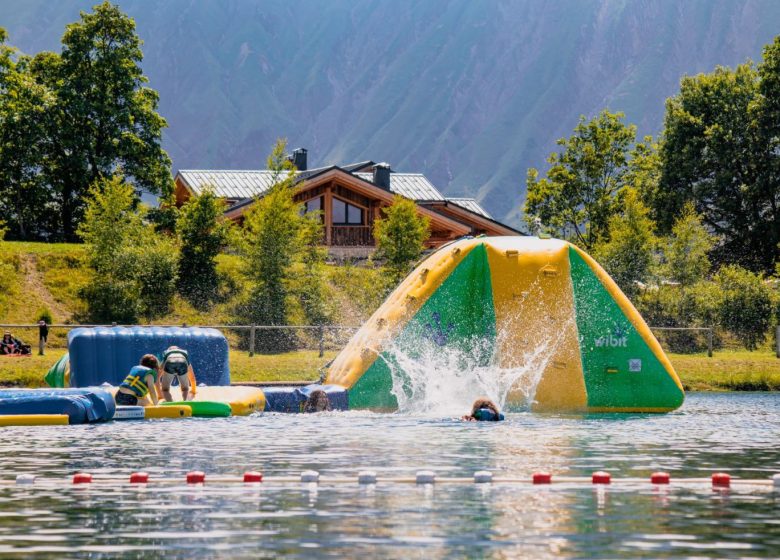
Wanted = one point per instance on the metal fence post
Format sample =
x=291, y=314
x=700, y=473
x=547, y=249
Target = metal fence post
x=709, y=342
x=252, y=340
x=322, y=340
x=777, y=341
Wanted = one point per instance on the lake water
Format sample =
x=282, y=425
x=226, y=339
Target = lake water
x=738, y=433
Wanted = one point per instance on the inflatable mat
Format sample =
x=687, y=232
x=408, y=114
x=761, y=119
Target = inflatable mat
x=203, y=409
x=92, y=404
x=243, y=400
x=34, y=420
x=105, y=354
x=523, y=303
x=293, y=399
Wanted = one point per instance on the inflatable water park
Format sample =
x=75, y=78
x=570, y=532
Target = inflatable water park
x=539, y=314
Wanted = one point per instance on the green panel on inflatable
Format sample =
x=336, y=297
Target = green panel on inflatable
x=459, y=316
x=619, y=367
x=204, y=409
x=56, y=375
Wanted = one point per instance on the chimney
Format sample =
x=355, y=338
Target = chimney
x=298, y=158
x=382, y=175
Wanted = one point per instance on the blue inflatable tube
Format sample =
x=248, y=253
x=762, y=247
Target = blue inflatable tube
x=292, y=399
x=82, y=406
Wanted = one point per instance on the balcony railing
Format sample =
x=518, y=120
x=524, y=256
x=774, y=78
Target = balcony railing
x=351, y=236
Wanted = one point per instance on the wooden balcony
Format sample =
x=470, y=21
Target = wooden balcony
x=351, y=236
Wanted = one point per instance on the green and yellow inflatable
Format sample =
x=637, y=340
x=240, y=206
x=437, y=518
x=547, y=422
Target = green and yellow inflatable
x=494, y=302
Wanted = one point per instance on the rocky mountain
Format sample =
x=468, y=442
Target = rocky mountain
x=470, y=92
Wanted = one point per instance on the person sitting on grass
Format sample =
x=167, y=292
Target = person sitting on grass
x=484, y=410
x=175, y=364
x=140, y=385
x=10, y=346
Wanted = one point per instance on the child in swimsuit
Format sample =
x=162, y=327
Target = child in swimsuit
x=140, y=384
x=484, y=409
x=175, y=364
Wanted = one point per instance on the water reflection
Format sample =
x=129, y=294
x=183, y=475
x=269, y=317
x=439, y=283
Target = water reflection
x=737, y=433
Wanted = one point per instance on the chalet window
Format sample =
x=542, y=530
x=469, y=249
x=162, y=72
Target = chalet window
x=346, y=214
x=313, y=205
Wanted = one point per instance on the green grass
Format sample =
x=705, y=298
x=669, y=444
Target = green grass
x=729, y=370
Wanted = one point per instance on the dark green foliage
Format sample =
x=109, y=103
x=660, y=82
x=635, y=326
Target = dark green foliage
x=69, y=120
x=686, y=250
x=400, y=236
x=746, y=305
x=203, y=234
x=311, y=283
x=579, y=194
x=44, y=314
x=628, y=255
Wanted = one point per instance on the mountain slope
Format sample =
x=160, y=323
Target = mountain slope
x=470, y=93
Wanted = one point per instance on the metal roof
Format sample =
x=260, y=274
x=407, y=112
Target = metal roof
x=236, y=185
x=411, y=185
x=470, y=204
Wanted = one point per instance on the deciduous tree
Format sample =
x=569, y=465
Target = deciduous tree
x=401, y=235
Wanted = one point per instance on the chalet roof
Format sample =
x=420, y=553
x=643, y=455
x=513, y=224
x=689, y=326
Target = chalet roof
x=472, y=205
x=232, y=184
x=411, y=185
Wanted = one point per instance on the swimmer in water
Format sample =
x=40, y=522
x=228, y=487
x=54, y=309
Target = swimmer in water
x=484, y=410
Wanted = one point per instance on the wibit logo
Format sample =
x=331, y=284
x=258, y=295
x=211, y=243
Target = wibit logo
x=437, y=332
x=618, y=338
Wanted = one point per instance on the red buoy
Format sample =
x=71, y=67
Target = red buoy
x=253, y=476
x=139, y=478
x=721, y=479
x=196, y=477
x=82, y=478
x=660, y=478
x=601, y=477
x=542, y=478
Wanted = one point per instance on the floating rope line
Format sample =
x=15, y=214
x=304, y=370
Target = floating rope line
x=598, y=478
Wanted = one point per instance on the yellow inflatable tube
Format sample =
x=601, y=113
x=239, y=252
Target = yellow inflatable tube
x=34, y=420
x=154, y=412
x=243, y=400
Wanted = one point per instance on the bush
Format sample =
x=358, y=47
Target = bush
x=44, y=314
x=156, y=272
x=400, y=235
x=745, y=307
x=111, y=300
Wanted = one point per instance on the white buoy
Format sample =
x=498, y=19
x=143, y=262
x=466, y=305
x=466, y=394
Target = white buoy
x=310, y=476
x=25, y=479
x=367, y=477
x=426, y=477
x=483, y=477
x=776, y=480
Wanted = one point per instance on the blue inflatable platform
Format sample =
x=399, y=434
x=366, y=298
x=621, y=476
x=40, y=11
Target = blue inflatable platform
x=82, y=406
x=105, y=354
x=292, y=399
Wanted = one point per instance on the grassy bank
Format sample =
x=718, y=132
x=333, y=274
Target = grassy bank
x=727, y=371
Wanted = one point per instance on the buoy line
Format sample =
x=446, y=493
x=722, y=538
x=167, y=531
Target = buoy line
x=718, y=480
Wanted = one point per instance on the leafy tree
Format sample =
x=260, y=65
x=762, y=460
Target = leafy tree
x=134, y=269
x=24, y=199
x=401, y=235
x=203, y=233
x=746, y=304
x=103, y=116
x=686, y=251
x=628, y=255
x=578, y=196
x=714, y=156
x=311, y=279
x=272, y=240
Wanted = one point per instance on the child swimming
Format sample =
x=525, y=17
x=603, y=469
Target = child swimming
x=484, y=410
x=140, y=384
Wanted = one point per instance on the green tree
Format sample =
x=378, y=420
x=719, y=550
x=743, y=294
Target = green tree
x=401, y=235
x=714, y=156
x=134, y=270
x=272, y=241
x=628, y=255
x=203, y=233
x=311, y=283
x=103, y=116
x=745, y=308
x=686, y=251
x=24, y=198
x=578, y=196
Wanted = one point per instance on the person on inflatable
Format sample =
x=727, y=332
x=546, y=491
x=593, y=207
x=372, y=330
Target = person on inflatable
x=140, y=384
x=484, y=410
x=175, y=364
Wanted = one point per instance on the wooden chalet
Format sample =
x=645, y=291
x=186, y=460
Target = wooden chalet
x=351, y=198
